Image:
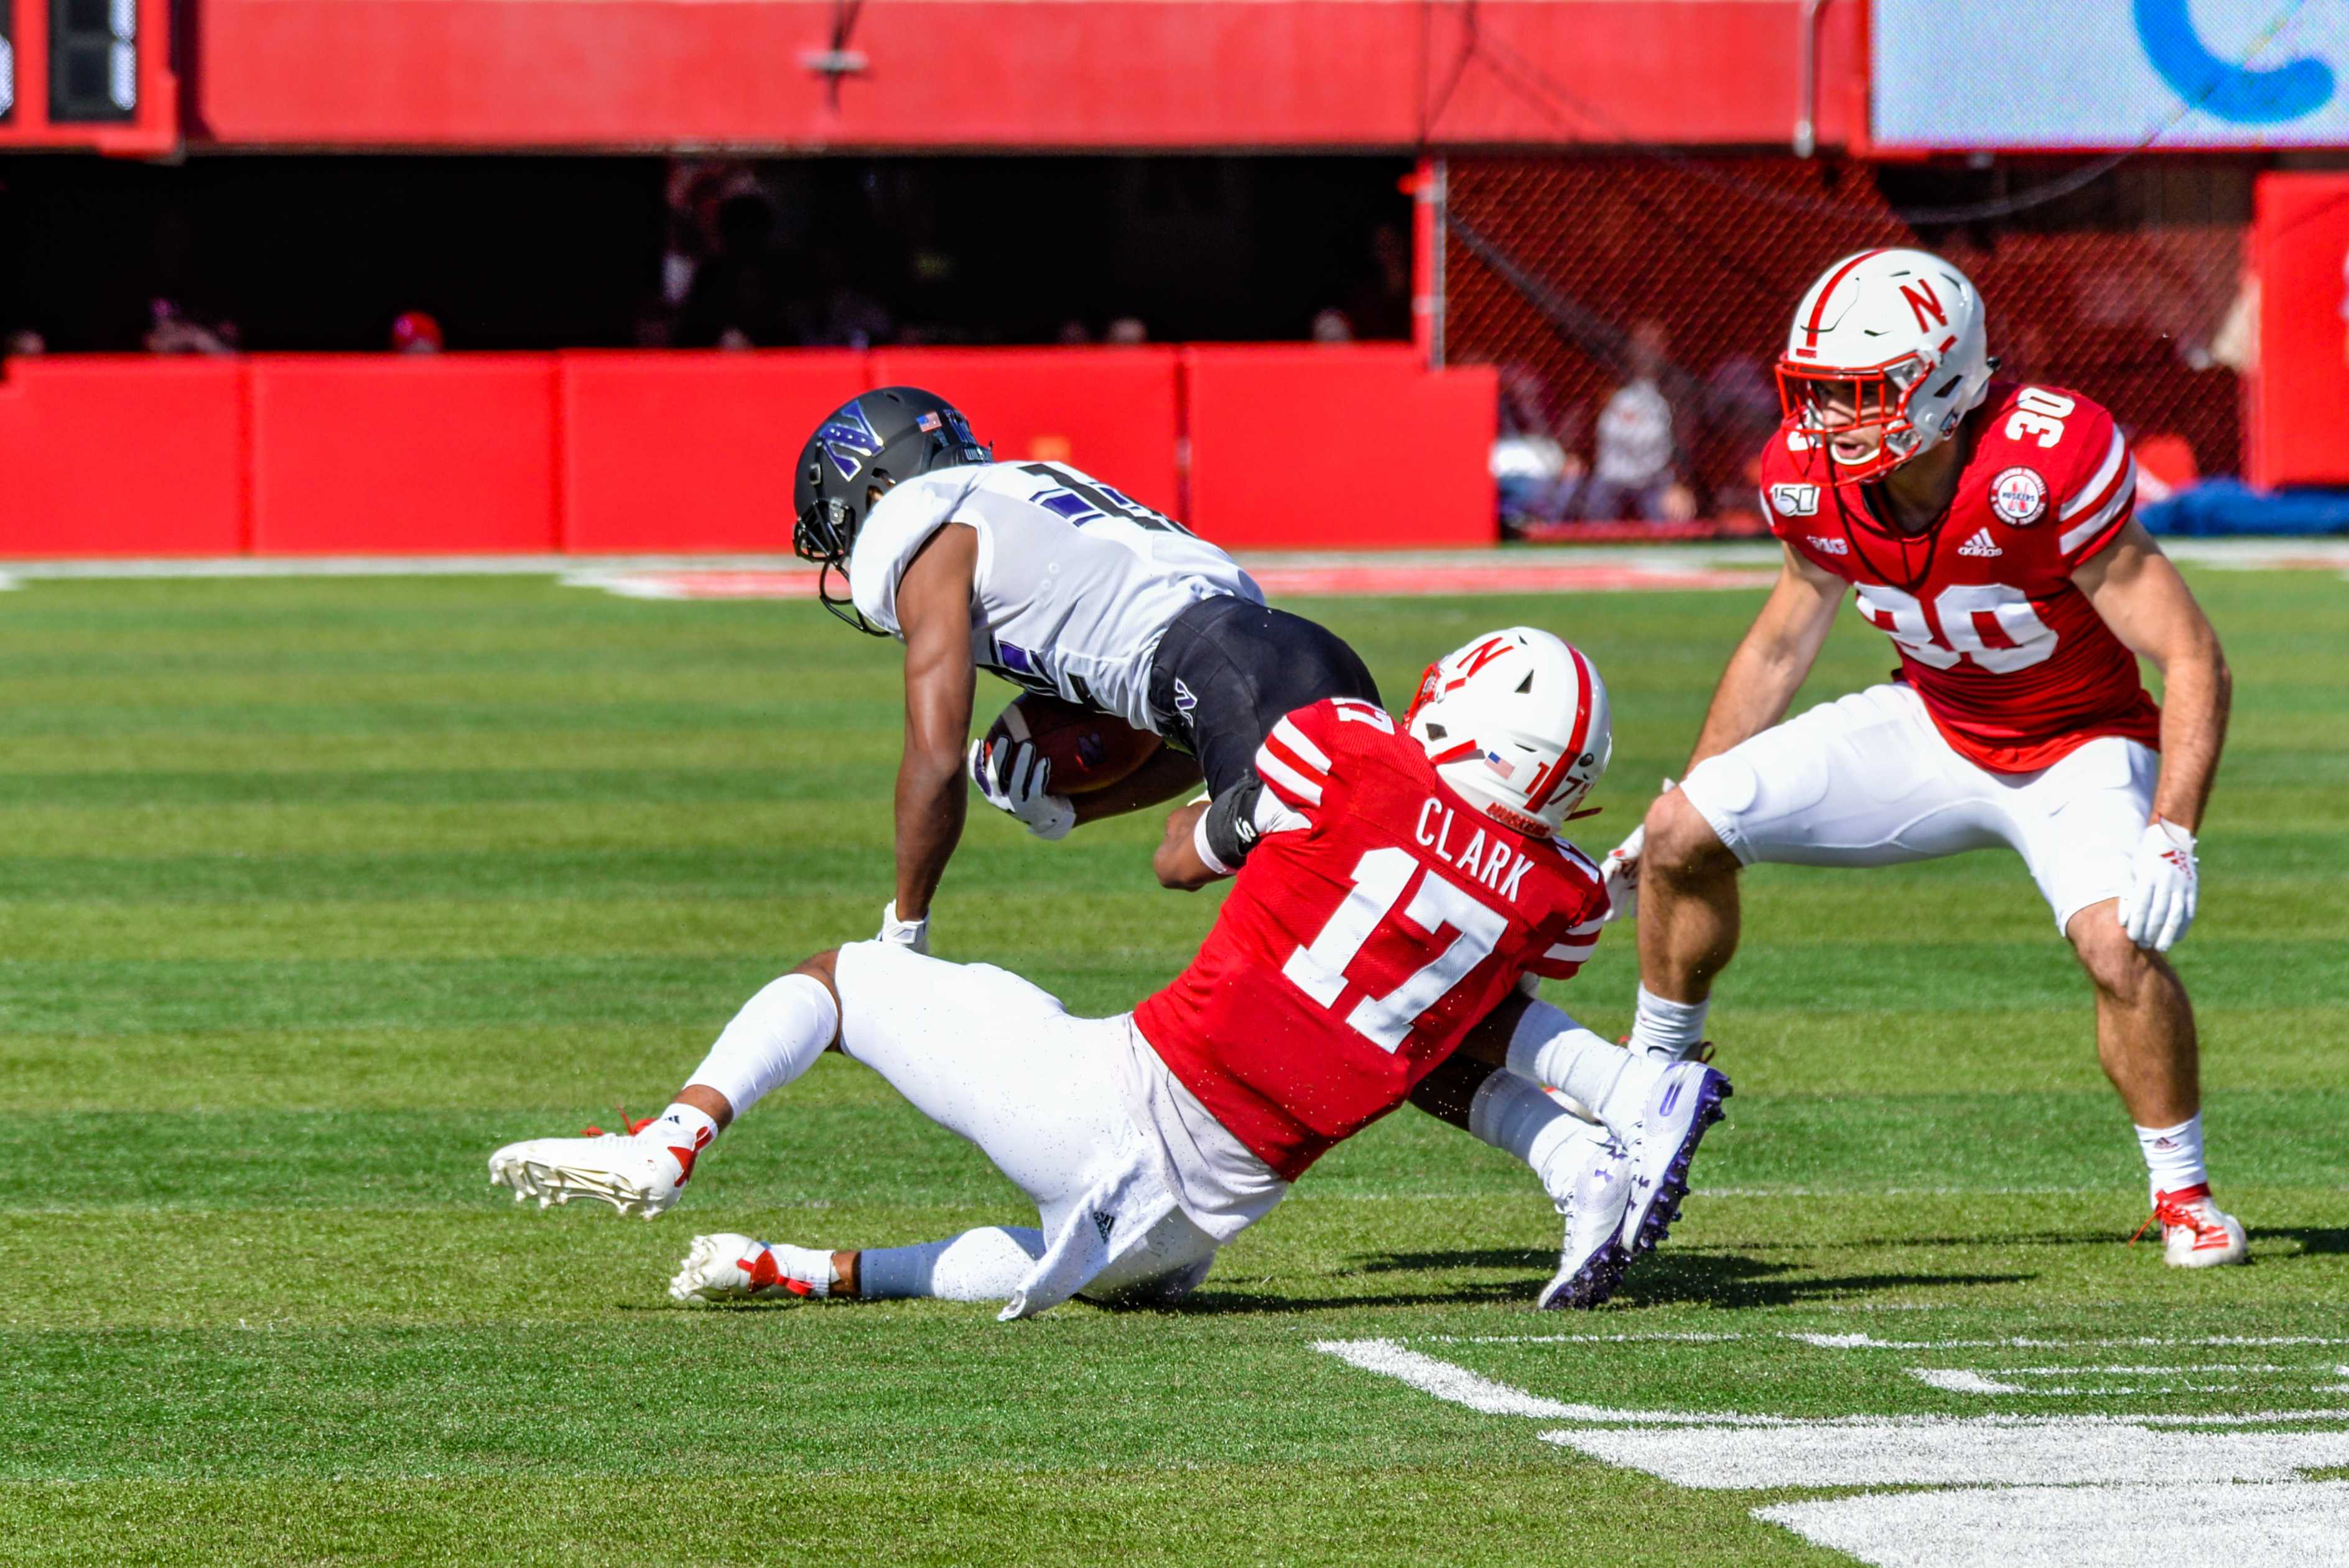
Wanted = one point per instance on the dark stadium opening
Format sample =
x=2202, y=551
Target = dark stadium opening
x=319, y=252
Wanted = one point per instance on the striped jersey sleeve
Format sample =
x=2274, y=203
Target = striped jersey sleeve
x=1575, y=933
x=1293, y=766
x=2100, y=503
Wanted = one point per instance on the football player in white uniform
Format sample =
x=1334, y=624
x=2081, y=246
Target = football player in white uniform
x=1987, y=527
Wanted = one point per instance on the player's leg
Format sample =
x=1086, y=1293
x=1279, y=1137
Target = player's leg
x=2077, y=825
x=775, y=1038
x=997, y=1060
x=1865, y=780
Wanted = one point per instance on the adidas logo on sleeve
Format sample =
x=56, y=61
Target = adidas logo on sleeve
x=1980, y=544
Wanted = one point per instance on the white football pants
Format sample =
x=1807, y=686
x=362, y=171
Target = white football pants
x=986, y=1054
x=1866, y=780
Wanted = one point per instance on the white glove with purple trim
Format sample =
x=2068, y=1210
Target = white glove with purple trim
x=1017, y=779
x=2162, y=887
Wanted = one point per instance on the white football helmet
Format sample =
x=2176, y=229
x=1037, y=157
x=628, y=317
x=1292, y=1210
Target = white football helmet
x=1892, y=339
x=1517, y=722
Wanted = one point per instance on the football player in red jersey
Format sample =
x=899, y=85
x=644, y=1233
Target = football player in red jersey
x=1988, y=529
x=1405, y=881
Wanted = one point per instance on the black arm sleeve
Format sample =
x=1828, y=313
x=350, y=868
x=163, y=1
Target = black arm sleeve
x=1231, y=823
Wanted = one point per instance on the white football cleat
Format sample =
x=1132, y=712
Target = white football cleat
x=1685, y=1101
x=636, y=1175
x=2196, y=1234
x=736, y=1268
x=1590, y=1264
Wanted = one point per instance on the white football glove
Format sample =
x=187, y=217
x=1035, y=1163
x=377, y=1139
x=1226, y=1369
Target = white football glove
x=2162, y=887
x=913, y=934
x=1017, y=779
x=1620, y=871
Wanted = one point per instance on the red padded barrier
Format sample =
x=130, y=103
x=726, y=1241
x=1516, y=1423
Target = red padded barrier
x=128, y=455
x=2300, y=392
x=691, y=451
x=382, y=454
x=1111, y=412
x=1336, y=447
x=1290, y=446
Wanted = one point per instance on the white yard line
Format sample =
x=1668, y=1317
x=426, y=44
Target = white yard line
x=2116, y=1526
x=2311, y=554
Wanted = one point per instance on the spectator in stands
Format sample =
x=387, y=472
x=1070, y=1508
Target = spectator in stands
x=24, y=342
x=1331, y=326
x=415, y=332
x=839, y=315
x=1632, y=476
x=1378, y=306
x=1534, y=476
x=1074, y=334
x=171, y=329
x=1126, y=332
x=739, y=298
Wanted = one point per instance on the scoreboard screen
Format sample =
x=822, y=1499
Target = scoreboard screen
x=90, y=74
x=93, y=61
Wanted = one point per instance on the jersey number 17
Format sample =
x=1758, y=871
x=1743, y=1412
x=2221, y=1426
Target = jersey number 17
x=1381, y=880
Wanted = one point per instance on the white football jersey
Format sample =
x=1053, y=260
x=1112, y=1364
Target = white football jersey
x=1075, y=583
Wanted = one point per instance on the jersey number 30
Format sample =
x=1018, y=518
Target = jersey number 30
x=1380, y=879
x=1989, y=622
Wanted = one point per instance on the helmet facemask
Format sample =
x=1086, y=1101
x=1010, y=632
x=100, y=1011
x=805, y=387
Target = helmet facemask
x=1825, y=403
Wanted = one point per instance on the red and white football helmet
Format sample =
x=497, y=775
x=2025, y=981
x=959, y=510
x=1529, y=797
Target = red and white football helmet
x=1517, y=722
x=1892, y=339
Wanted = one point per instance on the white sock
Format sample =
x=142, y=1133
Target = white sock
x=1665, y=1029
x=985, y=1264
x=2173, y=1155
x=1549, y=1047
x=776, y=1037
x=682, y=1125
x=1514, y=1115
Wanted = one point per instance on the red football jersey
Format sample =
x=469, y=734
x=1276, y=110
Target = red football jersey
x=2014, y=665
x=1354, y=953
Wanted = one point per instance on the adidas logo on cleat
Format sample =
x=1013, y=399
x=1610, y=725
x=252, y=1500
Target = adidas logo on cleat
x=1980, y=544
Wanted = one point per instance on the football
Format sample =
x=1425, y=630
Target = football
x=1088, y=751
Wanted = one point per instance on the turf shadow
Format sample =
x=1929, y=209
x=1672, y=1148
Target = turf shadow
x=2311, y=1238
x=1729, y=1279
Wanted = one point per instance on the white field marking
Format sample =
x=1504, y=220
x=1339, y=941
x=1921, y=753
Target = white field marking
x=2268, y=554
x=1656, y=1338
x=2078, y=1527
x=1866, y=1342
x=1955, y=1451
x=1957, y=1380
x=1457, y=1385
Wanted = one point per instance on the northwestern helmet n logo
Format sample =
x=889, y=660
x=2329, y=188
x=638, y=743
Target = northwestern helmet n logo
x=848, y=439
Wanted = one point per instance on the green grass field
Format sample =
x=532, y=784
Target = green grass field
x=315, y=891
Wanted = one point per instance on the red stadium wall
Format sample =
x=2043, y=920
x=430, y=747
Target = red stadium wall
x=2300, y=404
x=1016, y=73
x=587, y=452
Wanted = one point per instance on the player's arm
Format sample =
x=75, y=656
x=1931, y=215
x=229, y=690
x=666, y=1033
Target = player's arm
x=1167, y=774
x=2138, y=591
x=1776, y=654
x=1207, y=841
x=934, y=609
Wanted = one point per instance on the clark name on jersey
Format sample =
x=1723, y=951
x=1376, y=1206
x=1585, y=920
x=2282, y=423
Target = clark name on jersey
x=2013, y=664
x=1315, y=1007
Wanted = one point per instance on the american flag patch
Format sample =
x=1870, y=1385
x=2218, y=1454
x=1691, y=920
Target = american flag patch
x=927, y=422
